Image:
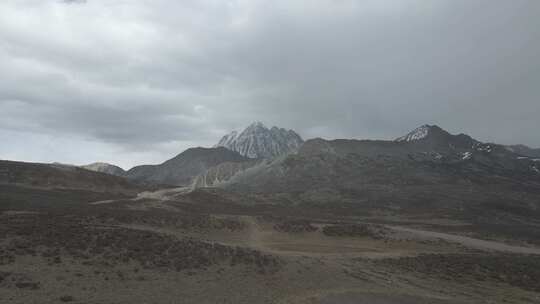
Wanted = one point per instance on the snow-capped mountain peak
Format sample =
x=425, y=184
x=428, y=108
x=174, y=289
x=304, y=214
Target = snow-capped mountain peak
x=416, y=134
x=258, y=141
x=227, y=139
x=257, y=124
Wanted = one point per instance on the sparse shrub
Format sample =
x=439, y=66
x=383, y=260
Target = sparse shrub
x=110, y=246
x=295, y=226
x=354, y=230
x=67, y=299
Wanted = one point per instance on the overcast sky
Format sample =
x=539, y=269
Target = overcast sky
x=133, y=82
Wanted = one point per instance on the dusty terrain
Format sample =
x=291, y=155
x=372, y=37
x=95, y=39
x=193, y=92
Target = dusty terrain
x=179, y=247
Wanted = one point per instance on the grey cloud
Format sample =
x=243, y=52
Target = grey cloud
x=73, y=1
x=145, y=75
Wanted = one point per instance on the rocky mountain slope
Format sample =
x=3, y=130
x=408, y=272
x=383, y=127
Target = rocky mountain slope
x=524, y=150
x=183, y=168
x=258, y=141
x=223, y=173
x=105, y=168
x=54, y=176
x=427, y=167
x=433, y=137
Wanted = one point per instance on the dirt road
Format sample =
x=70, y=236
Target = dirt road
x=468, y=241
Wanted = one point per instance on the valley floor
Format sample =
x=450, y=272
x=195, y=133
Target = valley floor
x=168, y=249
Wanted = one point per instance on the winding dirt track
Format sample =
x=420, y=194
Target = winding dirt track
x=162, y=195
x=469, y=242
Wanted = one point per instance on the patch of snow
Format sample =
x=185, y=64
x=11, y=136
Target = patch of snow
x=483, y=147
x=535, y=169
x=416, y=134
x=522, y=157
x=466, y=155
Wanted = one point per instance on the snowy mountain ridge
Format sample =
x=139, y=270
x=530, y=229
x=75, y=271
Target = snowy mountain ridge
x=258, y=141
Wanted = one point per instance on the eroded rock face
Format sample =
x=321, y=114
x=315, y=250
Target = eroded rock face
x=222, y=173
x=258, y=141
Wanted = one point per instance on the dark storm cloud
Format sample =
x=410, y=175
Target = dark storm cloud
x=146, y=79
